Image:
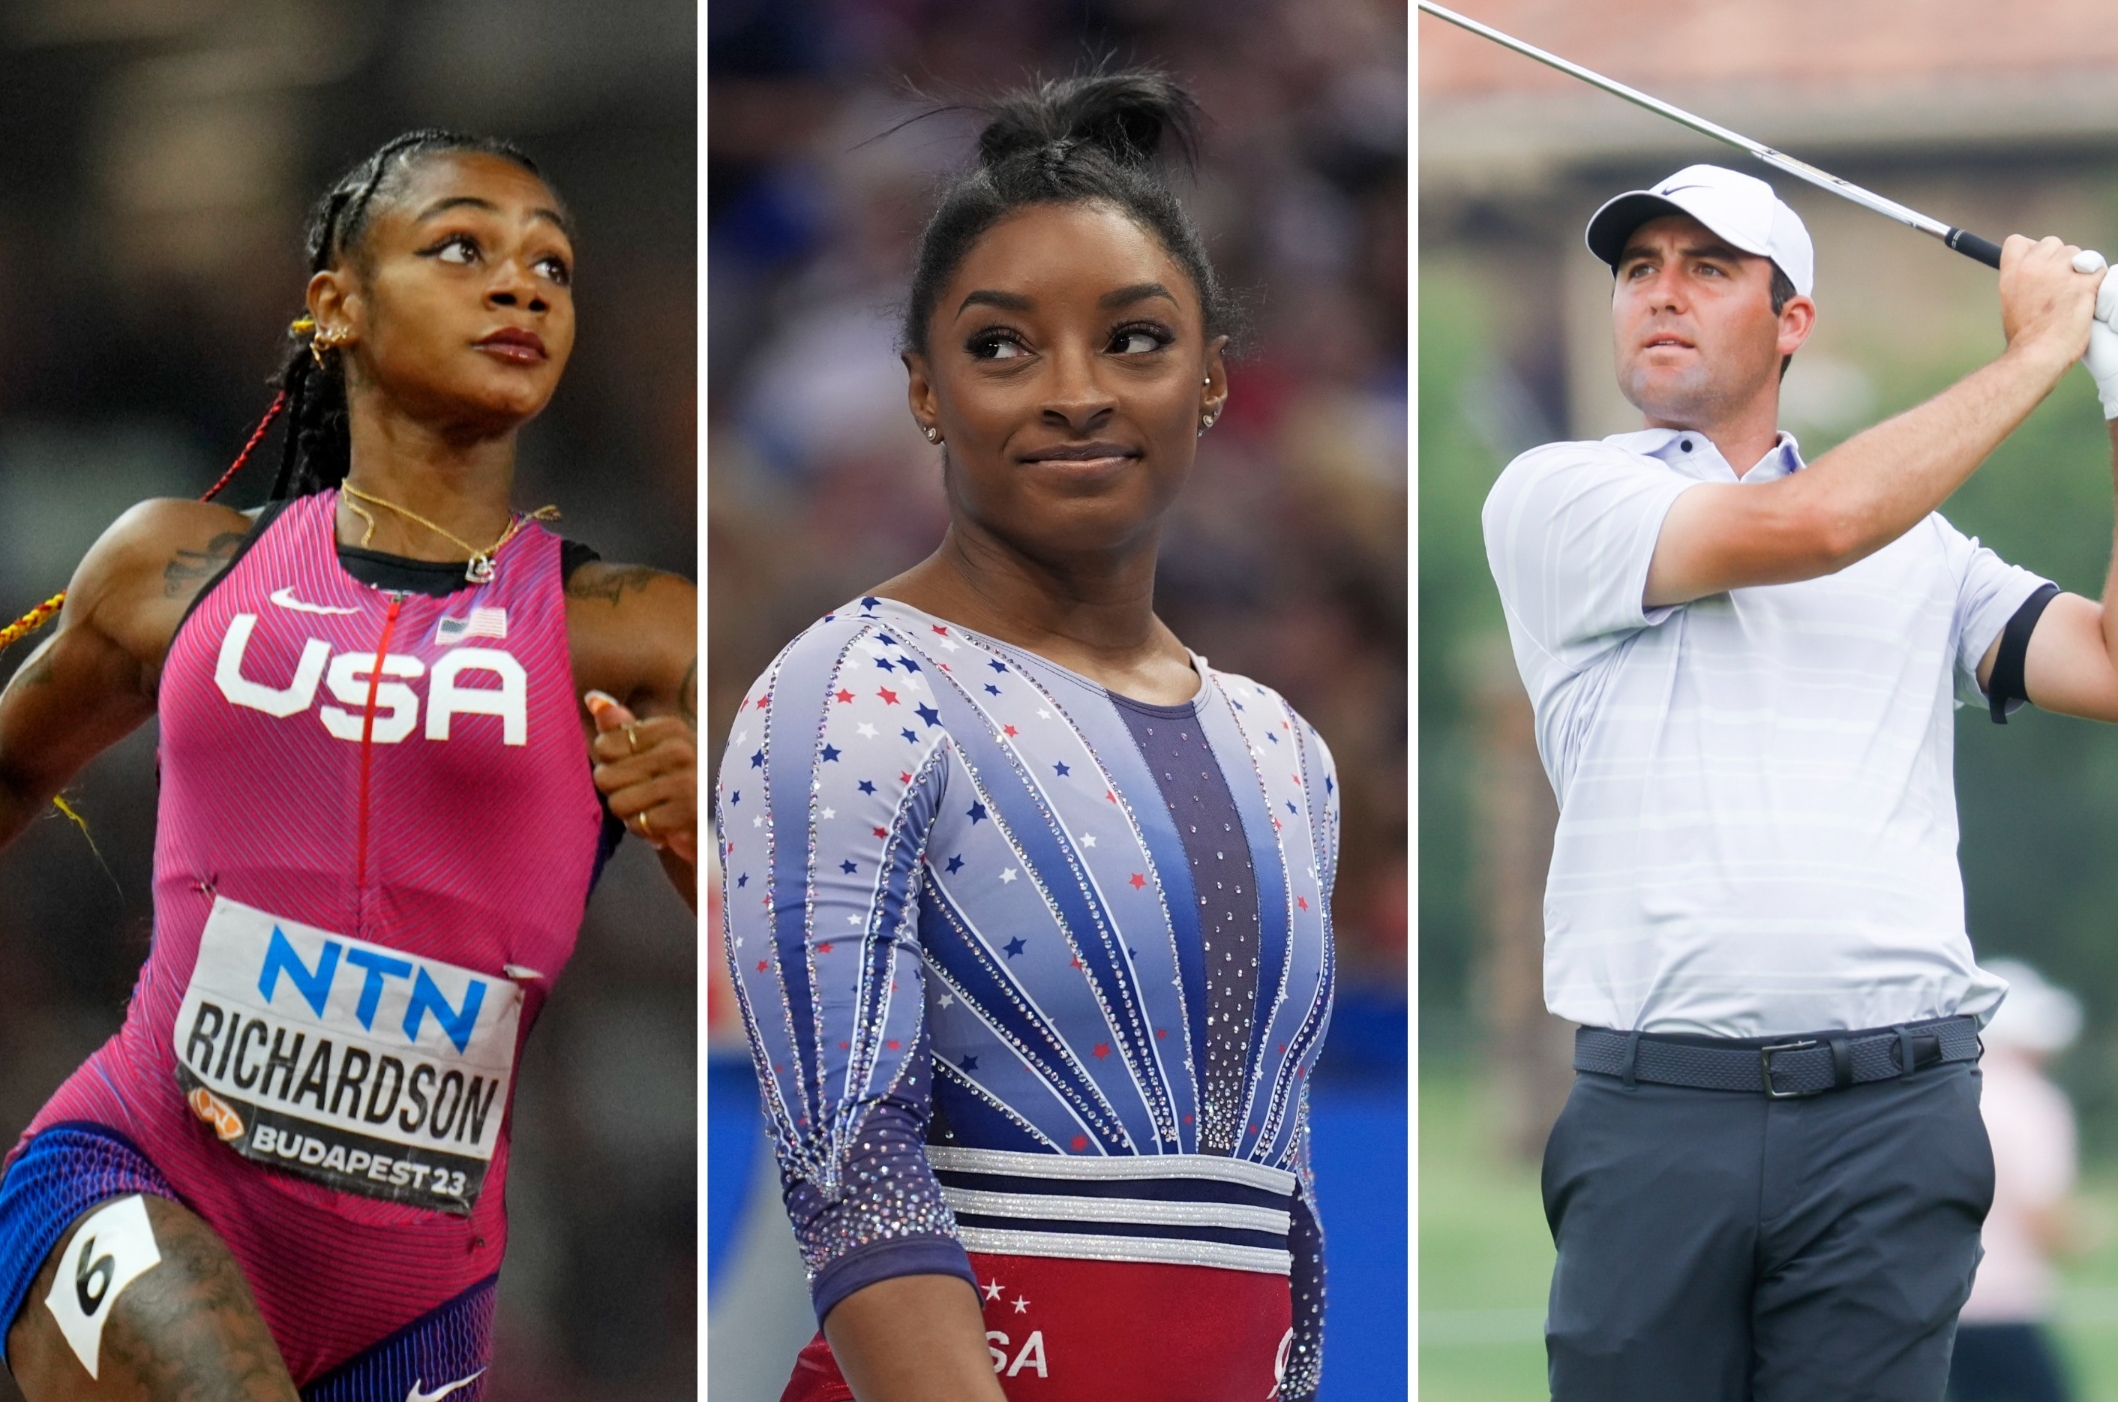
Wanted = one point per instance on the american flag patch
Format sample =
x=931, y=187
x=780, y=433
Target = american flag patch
x=483, y=623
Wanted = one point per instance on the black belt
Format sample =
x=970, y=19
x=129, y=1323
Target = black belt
x=1783, y=1069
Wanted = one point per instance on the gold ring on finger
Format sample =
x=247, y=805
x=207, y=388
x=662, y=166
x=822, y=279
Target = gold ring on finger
x=632, y=736
x=647, y=827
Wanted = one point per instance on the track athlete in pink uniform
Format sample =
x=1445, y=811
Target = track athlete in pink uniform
x=379, y=823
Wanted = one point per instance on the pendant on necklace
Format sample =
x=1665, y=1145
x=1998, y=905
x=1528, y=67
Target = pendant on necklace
x=479, y=570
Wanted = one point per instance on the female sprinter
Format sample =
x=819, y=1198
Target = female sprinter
x=378, y=826
x=1028, y=906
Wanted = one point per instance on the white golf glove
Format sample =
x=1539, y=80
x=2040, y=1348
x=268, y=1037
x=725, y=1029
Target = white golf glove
x=2102, y=355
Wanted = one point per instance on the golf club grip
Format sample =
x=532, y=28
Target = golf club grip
x=1972, y=246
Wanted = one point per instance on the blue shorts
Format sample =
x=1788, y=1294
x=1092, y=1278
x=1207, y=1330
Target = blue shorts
x=66, y=1170
x=69, y=1168
x=444, y=1351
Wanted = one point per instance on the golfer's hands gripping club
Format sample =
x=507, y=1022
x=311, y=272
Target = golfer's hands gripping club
x=648, y=771
x=2046, y=299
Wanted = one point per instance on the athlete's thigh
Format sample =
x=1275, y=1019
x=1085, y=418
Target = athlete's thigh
x=1651, y=1193
x=185, y=1329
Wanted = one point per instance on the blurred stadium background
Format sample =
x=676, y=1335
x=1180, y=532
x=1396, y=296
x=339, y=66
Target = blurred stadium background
x=157, y=160
x=1999, y=119
x=1287, y=561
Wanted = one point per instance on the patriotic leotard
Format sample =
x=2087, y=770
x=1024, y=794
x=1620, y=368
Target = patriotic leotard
x=366, y=884
x=1036, y=973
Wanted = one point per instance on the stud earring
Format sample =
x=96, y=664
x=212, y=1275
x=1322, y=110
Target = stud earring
x=1204, y=424
x=933, y=434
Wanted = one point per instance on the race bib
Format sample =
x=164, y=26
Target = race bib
x=358, y=1066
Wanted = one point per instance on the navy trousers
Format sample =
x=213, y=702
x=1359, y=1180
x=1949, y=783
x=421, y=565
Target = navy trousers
x=1716, y=1246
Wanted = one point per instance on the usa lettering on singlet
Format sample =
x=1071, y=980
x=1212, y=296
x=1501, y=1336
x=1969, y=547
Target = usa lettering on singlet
x=346, y=1062
x=326, y=1056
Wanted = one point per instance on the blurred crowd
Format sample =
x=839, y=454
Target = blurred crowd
x=157, y=162
x=1286, y=559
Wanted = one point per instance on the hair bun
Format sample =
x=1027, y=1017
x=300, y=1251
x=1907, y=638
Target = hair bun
x=1127, y=116
x=1071, y=141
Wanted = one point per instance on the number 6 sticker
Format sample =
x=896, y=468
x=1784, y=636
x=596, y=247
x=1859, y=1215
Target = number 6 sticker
x=111, y=1248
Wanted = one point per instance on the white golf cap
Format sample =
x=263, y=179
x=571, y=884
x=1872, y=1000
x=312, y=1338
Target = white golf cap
x=1740, y=208
x=2034, y=1016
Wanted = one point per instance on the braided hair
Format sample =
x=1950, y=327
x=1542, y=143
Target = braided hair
x=1085, y=139
x=318, y=447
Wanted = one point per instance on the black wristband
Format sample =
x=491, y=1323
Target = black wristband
x=2006, y=683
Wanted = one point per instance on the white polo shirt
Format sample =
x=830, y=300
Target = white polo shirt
x=1757, y=810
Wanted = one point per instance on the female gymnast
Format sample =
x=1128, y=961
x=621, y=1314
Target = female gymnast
x=401, y=725
x=1028, y=906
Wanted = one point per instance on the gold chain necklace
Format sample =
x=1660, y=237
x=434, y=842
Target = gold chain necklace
x=479, y=568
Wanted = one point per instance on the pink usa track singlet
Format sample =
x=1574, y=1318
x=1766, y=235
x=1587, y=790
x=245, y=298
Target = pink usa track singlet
x=376, y=836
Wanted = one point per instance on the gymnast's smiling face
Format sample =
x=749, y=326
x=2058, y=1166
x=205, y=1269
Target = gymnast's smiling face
x=1067, y=369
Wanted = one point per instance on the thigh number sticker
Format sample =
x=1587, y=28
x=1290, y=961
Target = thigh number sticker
x=112, y=1248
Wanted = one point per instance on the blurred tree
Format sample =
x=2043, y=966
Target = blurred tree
x=1457, y=609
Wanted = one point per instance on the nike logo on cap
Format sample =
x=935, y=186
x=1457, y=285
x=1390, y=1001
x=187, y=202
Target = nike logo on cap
x=415, y=1395
x=286, y=600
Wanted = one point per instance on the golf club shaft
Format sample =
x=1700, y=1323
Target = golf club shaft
x=1964, y=242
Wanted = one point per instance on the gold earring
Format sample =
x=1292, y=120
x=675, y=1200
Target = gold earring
x=327, y=341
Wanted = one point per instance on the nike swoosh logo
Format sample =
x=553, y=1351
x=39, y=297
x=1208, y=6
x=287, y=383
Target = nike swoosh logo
x=286, y=600
x=415, y=1395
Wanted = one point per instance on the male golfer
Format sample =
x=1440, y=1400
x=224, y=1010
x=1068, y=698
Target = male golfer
x=1768, y=1181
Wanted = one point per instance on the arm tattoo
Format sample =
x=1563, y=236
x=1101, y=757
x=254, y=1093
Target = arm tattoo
x=688, y=696
x=609, y=582
x=187, y=570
